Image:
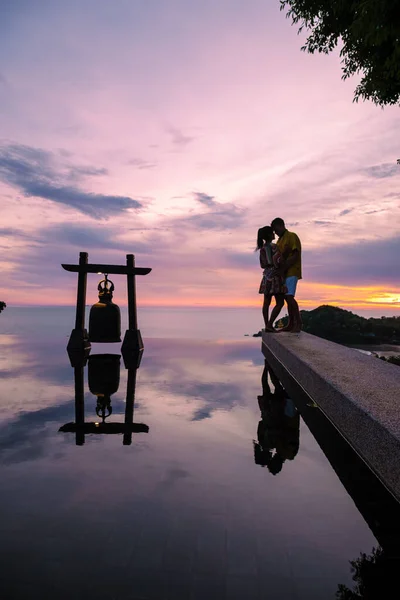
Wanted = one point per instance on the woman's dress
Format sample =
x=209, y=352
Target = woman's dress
x=272, y=281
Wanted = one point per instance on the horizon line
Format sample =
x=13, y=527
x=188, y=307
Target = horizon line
x=368, y=307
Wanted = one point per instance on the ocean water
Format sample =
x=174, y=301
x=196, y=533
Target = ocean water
x=205, y=481
x=193, y=323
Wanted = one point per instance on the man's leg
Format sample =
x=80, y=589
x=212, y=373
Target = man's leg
x=289, y=326
x=294, y=314
x=265, y=309
x=294, y=323
x=299, y=320
x=279, y=299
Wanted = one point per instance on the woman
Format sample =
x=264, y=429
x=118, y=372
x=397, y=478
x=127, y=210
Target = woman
x=272, y=283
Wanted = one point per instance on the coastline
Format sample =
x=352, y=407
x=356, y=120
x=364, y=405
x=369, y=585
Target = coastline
x=384, y=350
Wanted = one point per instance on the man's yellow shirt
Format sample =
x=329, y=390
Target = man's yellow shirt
x=286, y=245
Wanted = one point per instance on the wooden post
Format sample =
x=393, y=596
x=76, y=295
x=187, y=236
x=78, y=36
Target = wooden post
x=79, y=405
x=81, y=295
x=133, y=343
x=131, y=281
x=79, y=338
x=129, y=407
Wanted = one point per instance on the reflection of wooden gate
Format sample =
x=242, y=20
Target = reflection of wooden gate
x=79, y=339
x=82, y=428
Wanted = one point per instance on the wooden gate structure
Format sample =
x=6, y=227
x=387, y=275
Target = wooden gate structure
x=79, y=339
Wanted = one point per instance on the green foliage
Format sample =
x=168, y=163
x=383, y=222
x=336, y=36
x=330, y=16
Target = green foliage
x=2, y=305
x=375, y=577
x=343, y=326
x=369, y=31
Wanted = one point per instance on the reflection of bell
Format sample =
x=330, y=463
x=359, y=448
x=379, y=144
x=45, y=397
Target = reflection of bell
x=105, y=317
x=104, y=374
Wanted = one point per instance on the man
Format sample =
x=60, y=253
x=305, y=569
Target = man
x=290, y=247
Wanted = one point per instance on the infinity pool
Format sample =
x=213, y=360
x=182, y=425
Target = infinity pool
x=217, y=490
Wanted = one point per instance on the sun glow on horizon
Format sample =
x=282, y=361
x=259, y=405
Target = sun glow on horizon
x=394, y=300
x=310, y=296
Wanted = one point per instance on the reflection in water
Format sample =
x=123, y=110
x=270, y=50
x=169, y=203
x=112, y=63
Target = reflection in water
x=104, y=375
x=278, y=431
x=183, y=516
x=375, y=576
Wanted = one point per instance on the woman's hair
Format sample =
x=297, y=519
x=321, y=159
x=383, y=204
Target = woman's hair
x=264, y=234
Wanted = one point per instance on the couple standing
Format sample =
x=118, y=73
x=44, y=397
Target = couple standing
x=281, y=263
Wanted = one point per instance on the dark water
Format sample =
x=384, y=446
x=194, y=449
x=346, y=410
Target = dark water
x=184, y=511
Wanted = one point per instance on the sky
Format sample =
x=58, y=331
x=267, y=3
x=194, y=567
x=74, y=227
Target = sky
x=173, y=130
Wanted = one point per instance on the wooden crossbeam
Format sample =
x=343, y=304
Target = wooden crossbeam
x=109, y=428
x=109, y=269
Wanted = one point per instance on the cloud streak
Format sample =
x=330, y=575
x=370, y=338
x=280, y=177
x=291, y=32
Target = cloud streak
x=219, y=216
x=179, y=139
x=363, y=263
x=91, y=237
x=32, y=172
x=382, y=171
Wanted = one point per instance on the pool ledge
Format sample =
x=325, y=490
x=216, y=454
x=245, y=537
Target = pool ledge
x=360, y=395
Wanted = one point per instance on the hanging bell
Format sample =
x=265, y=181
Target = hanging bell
x=104, y=372
x=105, y=317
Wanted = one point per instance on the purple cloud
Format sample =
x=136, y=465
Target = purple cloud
x=382, y=171
x=363, y=263
x=31, y=170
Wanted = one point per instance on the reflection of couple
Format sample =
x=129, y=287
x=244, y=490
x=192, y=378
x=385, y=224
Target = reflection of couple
x=278, y=432
x=281, y=263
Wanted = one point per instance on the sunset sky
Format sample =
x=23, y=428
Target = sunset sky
x=173, y=129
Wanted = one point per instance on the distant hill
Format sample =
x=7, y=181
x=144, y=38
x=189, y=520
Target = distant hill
x=343, y=326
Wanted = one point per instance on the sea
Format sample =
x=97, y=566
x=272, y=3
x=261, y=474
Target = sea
x=164, y=322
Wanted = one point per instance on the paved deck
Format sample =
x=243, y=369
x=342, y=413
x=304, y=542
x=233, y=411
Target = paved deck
x=360, y=394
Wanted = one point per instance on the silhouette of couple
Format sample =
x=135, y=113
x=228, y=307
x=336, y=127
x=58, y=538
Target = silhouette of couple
x=278, y=432
x=281, y=264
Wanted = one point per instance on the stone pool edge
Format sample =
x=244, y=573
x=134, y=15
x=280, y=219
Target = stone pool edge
x=359, y=394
